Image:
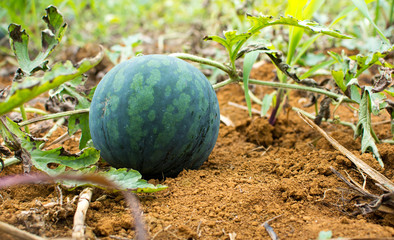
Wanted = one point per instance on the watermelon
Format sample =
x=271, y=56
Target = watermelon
x=156, y=114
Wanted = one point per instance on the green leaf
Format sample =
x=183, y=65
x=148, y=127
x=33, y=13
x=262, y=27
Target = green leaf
x=377, y=102
x=339, y=77
x=250, y=59
x=364, y=126
x=42, y=159
x=355, y=93
x=366, y=61
x=51, y=37
x=262, y=21
x=80, y=121
x=231, y=38
x=123, y=178
x=313, y=69
x=266, y=104
x=362, y=6
x=34, y=86
x=130, y=180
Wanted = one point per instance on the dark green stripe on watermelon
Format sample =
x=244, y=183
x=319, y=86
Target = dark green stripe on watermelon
x=156, y=114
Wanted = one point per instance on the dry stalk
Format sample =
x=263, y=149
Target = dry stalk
x=80, y=214
x=384, y=202
x=377, y=176
x=17, y=233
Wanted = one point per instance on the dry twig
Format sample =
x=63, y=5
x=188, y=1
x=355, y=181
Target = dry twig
x=17, y=233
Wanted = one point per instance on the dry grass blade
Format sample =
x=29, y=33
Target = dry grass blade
x=380, y=178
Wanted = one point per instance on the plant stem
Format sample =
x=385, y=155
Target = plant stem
x=24, y=117
x=53, y=116
x=335, y=96
x=32, y=110
x=11, y=161
x=388, y=141
x=222, y=84
x=202, y=60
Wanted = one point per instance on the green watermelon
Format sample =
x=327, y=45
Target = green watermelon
x=156, y=114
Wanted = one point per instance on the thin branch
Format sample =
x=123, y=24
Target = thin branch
x=53, y=116
x=202, y=60
x=223, y=83
x=17, y=233
x=335, y=96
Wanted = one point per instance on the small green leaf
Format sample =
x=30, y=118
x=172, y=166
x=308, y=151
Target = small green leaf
x=230, y=41
x=262, y=21
x=366, y=61
x=250, y=59
x=355, y=93
x=315, y=68
x=51, y=37
x=390, y=91
x=364, y=127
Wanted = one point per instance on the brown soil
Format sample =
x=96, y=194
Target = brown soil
x=256, y=172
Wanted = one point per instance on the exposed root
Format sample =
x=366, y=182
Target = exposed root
x=80, y=214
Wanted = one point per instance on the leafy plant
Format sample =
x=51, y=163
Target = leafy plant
x=61, y=78
x=371, y=100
